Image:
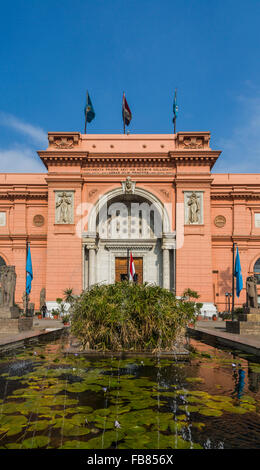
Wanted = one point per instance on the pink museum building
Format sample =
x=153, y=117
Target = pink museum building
x=104, y=196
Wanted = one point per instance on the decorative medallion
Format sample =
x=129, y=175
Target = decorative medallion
x=38, y=220
x=220, y=221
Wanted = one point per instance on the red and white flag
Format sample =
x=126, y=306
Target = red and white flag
x=127, y=115
x=131, y=268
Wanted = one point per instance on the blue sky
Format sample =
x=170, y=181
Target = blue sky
x=51, y=52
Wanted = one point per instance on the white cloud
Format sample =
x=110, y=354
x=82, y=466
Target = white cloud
x=35, y=133
x=18, y=159
x=241, y=151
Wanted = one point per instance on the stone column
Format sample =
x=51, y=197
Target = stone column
x=166, y=268
x=91, y=267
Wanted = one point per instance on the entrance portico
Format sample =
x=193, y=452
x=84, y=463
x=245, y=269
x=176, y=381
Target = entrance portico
x=121, y=223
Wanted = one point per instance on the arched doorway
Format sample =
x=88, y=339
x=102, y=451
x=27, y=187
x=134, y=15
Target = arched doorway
x=121, y=224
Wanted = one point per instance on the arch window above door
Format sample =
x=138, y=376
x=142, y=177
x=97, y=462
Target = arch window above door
x=257, y=270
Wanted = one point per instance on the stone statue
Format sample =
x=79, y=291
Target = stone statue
x=251, y=292
x=64, y=205
x=42, y=297
x=8, y=283
x=128, y=185
x=194, y=209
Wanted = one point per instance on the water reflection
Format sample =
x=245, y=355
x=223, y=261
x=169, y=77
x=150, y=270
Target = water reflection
x=55, y=400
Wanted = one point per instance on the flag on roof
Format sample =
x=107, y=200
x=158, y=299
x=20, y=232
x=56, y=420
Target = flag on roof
x=89, y=110
x=127, y=115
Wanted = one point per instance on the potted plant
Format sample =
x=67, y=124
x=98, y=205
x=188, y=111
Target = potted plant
x=214, y=317
x=66, y=319
x=55, y=314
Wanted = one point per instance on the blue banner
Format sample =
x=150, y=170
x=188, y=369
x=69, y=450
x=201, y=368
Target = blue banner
x=238, y=274
x=29, y=271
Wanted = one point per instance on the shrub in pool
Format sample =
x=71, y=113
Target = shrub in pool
x=130, y=316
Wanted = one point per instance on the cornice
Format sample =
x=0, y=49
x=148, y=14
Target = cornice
x=195, y=157
x=25, y=195
x=23, y=237
x=235, y=196
x=64, y=158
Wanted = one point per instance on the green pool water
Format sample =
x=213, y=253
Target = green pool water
x=65, y=401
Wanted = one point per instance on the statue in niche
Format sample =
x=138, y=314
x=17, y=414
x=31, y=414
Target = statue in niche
x=65, y=208
x=251, y=292
x=8, y=283
x=194, y=209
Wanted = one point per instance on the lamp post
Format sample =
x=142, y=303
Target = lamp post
x=228, y=295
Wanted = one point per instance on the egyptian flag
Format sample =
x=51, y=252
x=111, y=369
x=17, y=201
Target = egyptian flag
x=132, y=269
x=127, y=115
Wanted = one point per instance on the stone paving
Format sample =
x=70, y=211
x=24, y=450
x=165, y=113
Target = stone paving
x=205, y=329
x=40, y=327
x=216, y=331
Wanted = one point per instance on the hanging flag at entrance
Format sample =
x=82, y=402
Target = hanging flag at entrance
x=127, y=115
x=131, y=268
x=29, y=271
x=238, y=274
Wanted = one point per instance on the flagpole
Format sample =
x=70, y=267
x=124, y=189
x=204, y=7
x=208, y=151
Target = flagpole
x=86, y=113
x=175, y=96
x=26, y=295
x=128, y=264
x=124, y=109
x=233, y=281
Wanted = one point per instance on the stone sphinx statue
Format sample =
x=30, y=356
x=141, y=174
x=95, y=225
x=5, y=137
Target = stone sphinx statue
x=251, y=292
x=8, y=283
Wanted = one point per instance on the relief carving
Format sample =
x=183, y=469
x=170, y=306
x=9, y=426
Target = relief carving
x=165, y=193
x=64, y=207
x=187, y=142
x=194, y=209
x=92, y=192
x=38, y=220
x=63, y=141
x=220, y=221
x=128, y=186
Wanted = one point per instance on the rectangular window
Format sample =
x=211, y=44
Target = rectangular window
x=257, y=219
x=2, y=219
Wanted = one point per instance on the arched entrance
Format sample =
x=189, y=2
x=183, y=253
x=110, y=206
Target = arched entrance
x=122, y=223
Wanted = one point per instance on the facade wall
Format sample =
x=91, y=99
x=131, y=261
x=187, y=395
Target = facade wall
x=163, y=166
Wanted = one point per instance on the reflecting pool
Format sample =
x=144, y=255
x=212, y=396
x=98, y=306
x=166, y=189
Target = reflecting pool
x=49, y=399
